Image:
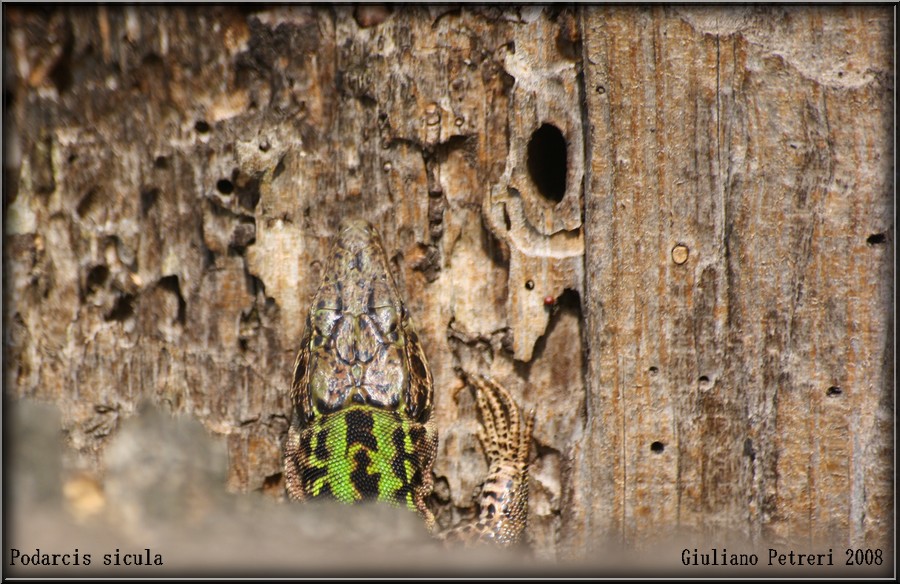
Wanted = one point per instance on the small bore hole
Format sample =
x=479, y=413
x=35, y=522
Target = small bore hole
x=149, y=196
x=123, y=308
x=876, y=239
x=97, y=277
x=225, y=186
x=833, y=391
x=529, y=285
x=272, y=481
x=703, y=379
x=657, y=447
x=749, y=451
x=201, y=126
x=653, y=370
x=548, y=162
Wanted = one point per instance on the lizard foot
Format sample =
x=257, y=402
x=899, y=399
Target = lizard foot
x=505, y=436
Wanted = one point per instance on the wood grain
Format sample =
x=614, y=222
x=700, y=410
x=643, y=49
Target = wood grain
x=701, y=315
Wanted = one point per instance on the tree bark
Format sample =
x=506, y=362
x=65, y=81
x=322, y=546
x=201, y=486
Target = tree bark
x=669, y=232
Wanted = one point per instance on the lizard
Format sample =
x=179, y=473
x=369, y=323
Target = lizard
x=362, y=397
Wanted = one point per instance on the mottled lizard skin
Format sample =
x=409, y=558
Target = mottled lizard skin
x=362, y=397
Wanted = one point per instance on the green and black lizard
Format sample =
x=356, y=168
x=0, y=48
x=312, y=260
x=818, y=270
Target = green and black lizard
x=362, y=397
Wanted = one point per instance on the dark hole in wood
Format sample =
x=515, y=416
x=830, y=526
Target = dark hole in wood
x=225, y=186
x=833, y=391
x=87, y=202
x=243, y=235
x=123, y=309
x=279, y=168
x=148, y=199
x=171, y=284
x=370, y=15
x=97, y=277
x=876, y=239
x=248, y=194
x=529, y=285
x=703, y=379
x=161, y=162
x=749, y=450
x=272, y=481
x=209, y=259
x=548, y=162
x=201, y=126
x=61, y=73
x=653, y=370
x=657, y=447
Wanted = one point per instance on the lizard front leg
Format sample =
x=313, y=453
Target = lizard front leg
x=505, y=437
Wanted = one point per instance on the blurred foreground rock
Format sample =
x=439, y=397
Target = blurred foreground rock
x=163, y=502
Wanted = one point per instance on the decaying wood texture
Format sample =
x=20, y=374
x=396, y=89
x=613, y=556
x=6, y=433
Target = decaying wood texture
x=668, y=231
x=739, y=273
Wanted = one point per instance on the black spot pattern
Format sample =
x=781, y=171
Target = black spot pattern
x=401, y=495
x=326, y=493
x=420, y=453
x=398, y=438
x=359, y=430
x=321, y=447
x=306, y=445
x=310, y=475
x=417, y=435
x=365, y=484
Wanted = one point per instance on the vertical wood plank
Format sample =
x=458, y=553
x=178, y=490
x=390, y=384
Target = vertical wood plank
x=738, y=273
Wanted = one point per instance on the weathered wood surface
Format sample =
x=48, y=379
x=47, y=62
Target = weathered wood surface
x=723, y=215
x=739, y=273
x=177, y=193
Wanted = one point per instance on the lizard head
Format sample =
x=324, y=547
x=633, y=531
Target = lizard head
x=360, y=346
